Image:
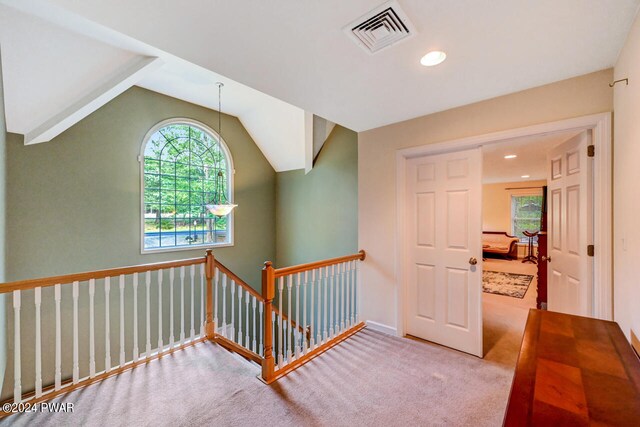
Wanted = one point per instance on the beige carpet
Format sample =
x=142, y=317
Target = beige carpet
x=371, y=379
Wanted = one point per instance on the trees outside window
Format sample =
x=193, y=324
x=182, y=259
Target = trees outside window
x=180, y=162
x=526, y=214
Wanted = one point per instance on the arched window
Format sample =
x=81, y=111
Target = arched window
x=183, y=164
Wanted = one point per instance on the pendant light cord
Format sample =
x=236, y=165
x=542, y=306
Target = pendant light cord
x=218, y=190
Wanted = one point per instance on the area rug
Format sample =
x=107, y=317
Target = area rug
x=509, y=284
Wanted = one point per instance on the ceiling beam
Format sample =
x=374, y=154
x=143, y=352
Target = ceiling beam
x=114, y=86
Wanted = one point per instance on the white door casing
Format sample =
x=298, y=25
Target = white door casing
x=570, y=227
x=443, y=228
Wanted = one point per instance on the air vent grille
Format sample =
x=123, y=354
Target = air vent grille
x=381, y=28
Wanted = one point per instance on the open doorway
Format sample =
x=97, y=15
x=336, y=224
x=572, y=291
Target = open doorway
x=439, y=246
x=537, y=202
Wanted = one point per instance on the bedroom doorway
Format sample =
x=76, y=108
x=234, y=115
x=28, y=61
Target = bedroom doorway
x=537, y=229
x=539, y=140
x=535, y=247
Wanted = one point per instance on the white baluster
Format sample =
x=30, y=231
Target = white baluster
x=297, y=346
x=343, y=298
x=289, y=303
x=313, y=311
x=224, y=305
x=215, y=296
x=202, y=298
x=107, y=332
x=353, y=293
x=38, y=302
x=280, y=319
x=182, y=305
x=76, y=362
x=136, y=350
x=273, y=333
x=172, y=338
x=325, y=319
x=147, y=279
x=255, y=333
x=261, y=311
x=319, y=308
x=336, y=273
x=17, y=369
x=192, y=273
x=122, y=358
x=286, y=325
x=92, y=337
x=233, y=310
x=304, y=312
x=58, y=369
x=347, y=282
x=332, y=281
x=342, y=295
x=339, y=291
x=357, y=280
x=160, y=344
x=239, y=314
x=246, y=325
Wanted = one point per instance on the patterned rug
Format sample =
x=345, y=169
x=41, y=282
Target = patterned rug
x=509, y=284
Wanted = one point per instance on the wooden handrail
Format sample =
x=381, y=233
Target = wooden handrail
x=285, y=271
x=97, y=274
x=239, y=281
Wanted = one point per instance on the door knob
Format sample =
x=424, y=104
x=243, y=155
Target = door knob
x=473, y=260
x=545, y=258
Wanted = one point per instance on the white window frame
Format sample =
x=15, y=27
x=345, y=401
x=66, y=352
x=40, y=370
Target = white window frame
x=230, y=176
x=519, y=193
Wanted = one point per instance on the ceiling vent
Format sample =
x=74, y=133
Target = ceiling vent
x=382, y=27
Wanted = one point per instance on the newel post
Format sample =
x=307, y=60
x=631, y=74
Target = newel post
x=210, y=327
x=268, y=293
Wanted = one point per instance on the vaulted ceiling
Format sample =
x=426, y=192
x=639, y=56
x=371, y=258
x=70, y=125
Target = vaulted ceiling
x=280, y=58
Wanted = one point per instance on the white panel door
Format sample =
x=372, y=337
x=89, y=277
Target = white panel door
x=570, y=227
x=444, y=250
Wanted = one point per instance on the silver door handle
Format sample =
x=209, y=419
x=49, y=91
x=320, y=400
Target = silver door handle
x=473, y=260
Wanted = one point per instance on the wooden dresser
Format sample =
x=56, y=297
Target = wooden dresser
x=574, y=371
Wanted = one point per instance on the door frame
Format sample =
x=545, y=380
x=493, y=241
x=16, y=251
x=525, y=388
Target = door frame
x=600, y=126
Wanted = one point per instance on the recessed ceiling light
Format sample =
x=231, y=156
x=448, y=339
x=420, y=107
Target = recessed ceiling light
x=510, y=156
x=525, y=176
x=432, y=58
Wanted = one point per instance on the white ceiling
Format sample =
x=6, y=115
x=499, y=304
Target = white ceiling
x=280, y=58
x=51, y=59
x=297, y=51
x=531, y=152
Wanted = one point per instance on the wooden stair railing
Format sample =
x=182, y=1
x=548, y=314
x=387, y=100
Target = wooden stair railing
x=99, y=289
x=240, y=306
x=324, y=295
x=269, y=333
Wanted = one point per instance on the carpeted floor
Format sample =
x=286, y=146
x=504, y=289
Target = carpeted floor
x=371, y=379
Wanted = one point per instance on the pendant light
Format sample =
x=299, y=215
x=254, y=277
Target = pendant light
x=220, y=205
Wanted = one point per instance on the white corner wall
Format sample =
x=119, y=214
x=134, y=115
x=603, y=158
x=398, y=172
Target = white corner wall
x=579, y=96
x=626, y=175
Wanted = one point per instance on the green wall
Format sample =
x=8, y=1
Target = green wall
x=3, y=210
x=75, y=201
x=317, y=213
x=75, y=206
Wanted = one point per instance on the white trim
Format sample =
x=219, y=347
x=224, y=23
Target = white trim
x=600, y=125
x=380, y=327
x=135, y=71
x=230, y=173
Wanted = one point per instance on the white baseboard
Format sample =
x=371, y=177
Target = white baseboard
x=385, y=329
